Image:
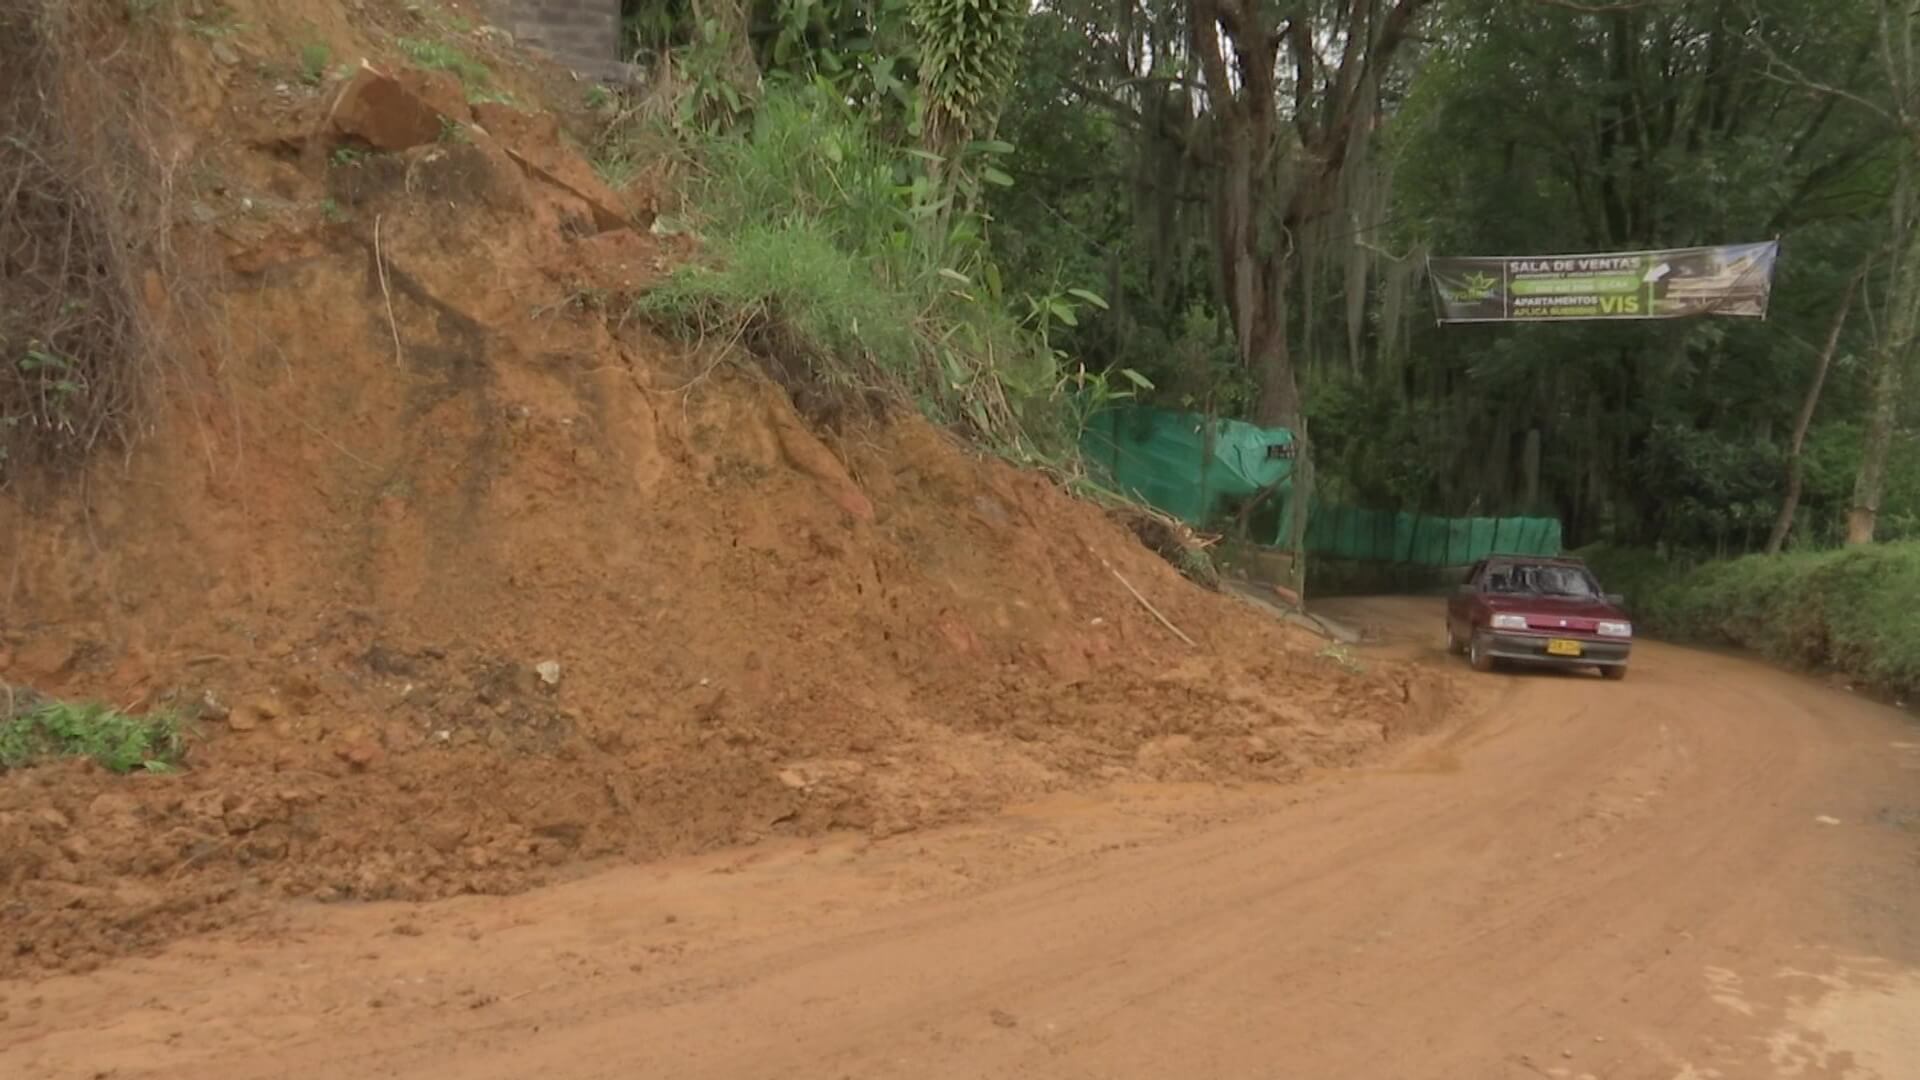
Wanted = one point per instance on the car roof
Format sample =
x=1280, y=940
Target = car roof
x=1537, y=560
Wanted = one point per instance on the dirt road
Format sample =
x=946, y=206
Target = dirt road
x=1709, y=870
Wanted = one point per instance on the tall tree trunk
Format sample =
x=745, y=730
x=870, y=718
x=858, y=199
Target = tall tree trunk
x=1871, y=482
x=1900, y=53
x=1279, y=404
x=1899, y=338
x=1257, y=218
x=1790, y=503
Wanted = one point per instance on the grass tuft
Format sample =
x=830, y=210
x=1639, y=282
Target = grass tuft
x=314, y=58
x=120, y=742
x=440, y=56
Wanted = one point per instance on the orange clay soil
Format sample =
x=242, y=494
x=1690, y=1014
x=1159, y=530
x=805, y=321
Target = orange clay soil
x=462, y=611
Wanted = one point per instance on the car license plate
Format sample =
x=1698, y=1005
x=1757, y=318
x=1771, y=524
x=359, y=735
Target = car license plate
x=1562, y=647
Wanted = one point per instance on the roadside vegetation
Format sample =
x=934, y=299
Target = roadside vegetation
x=1015, y=213
x=34, y=729
x=838, y=177
x=825, y=260
x=1850, y=610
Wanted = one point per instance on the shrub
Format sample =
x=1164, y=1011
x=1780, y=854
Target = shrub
x=74, y=180
x=822, y=256
x=1849, y=610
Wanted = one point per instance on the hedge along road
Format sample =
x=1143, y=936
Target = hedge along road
x=1708, y=870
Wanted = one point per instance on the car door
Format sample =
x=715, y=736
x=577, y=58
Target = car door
x=1460, y=602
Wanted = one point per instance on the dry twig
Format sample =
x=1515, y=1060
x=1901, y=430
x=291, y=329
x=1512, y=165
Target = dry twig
x=1151, y=610
x=380, y=267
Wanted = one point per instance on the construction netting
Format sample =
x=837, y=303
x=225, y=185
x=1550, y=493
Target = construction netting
x=1190, y=466
x=1351, y=532
x=1206, y=471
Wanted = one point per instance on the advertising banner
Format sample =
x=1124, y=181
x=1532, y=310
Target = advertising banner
x=1675, y=283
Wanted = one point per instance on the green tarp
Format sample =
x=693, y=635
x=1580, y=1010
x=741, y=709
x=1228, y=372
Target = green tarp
x=1351, y=532
x=1182, y=463
x=1204, y=471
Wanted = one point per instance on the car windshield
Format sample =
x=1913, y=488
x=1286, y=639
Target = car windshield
x=1537, y=580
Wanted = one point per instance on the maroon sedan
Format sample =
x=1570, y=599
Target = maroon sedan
x=1537, y=610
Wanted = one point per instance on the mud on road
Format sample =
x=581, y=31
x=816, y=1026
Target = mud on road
x=1709, y=870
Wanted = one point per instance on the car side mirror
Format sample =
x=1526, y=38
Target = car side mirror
x=1618, y=600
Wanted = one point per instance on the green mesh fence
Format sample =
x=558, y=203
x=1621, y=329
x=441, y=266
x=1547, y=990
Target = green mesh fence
x=1351, y=532
x=1204, y=471
x=1186, y=465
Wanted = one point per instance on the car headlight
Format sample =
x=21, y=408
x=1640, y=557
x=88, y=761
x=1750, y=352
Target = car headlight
x=1509, y=622
x=1616, y=629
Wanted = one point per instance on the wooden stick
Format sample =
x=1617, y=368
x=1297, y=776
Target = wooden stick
x=380, y=266
x=1154, y=611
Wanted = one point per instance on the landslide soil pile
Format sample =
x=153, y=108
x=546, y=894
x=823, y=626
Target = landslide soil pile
x=461, y=582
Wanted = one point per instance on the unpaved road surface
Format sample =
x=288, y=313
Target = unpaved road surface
x=1711, y=870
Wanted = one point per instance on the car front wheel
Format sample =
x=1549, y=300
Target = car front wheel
x=1454, y=647
x=1615, y=672
x=1478, y=654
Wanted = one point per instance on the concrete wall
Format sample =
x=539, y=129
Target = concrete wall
x=584, y=34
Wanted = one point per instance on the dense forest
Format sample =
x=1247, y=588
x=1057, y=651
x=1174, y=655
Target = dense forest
x=1228, y=207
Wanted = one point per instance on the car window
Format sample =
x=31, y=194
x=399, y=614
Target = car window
x=1543, y=580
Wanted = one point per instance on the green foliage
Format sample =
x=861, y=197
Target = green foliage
x=1524, y=129
x=119, y=741
x=969, y=51
x=440, y=56
x=819, y=259
x=805, y=293
x=863, y=48
x=1849, y=610
x=628, y=137
x=314, y=58
x=1717, y=491
x=715, y=94
x=54, y=385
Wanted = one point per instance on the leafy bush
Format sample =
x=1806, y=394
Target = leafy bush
x=825, y=250
x=1849, y=610
x=118, y=741
x=802, y=290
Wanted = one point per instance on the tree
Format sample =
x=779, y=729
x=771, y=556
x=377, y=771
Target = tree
x=1796, y=470
x=1255, y=184
x=1534, y=130
x=1897, y=329
x=1273, y=180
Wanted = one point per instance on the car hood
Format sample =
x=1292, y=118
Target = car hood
x=1558, y=607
